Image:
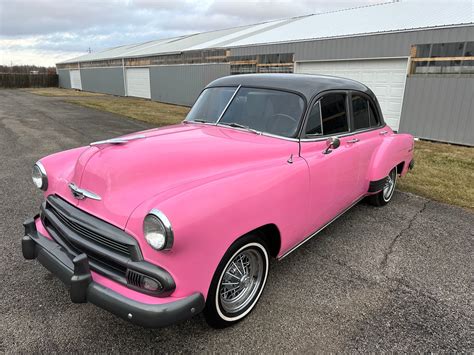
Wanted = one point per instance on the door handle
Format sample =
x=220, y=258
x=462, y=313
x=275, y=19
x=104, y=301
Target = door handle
x=355, y=140
x=382, y=133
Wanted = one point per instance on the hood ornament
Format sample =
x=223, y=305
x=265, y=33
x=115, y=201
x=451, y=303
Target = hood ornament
x=118, y=140
x=81, y=194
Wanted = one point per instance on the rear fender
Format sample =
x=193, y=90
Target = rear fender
x=394, y=149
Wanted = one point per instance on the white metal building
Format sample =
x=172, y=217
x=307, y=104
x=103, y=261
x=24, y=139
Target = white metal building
x=417, y=58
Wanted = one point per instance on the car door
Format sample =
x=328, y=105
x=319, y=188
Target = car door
x=367, y=135
x=333, y=172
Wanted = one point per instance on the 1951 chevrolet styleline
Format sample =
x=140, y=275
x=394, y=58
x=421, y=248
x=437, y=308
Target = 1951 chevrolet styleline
x=161, y=225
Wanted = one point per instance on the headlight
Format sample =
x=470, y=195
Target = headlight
x=40, y=179
x=157, y=230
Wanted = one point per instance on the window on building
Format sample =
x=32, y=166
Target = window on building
x=443, y=58
x=360, y=112
x=334, y=114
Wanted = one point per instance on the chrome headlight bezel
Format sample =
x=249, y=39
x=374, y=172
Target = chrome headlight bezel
x=41, y=178
x=163, y=224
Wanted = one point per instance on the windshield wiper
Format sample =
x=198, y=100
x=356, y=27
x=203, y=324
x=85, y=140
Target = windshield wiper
x=238, y=125
x=197, y=120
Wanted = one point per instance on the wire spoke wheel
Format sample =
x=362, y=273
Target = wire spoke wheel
x=241, y=281
x=390, y=185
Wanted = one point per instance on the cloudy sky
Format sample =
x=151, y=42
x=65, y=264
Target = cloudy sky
x=44, y=32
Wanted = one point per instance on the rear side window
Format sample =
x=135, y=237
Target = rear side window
x=360, y=111
x=334, y=114
x=374, y=117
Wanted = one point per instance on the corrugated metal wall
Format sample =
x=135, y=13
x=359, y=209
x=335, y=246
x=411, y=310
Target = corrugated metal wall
x=64, y=78
x=104, y=80
x=181, y=84
x=372, y=46
x=439, y=108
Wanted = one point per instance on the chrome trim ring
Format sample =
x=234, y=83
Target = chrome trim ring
x=389, y=187
x=44, y=175
x=241, y=281
x=168, y=227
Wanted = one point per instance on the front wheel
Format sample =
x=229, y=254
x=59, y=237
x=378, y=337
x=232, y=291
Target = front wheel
x=383, y=197
x=238, y=282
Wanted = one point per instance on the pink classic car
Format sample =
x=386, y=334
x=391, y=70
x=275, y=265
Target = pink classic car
x=161, y=225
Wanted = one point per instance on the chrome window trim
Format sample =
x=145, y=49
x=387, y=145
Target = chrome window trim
x=228, y=104
x=225, y=107
x=371, y=103
x=317, y=98
x=168, y=228
x=347, y=134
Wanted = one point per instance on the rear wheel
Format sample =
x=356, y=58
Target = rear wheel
x=238, y=282
x=383, y=197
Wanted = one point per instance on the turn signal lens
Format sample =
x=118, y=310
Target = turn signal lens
x=151, y=284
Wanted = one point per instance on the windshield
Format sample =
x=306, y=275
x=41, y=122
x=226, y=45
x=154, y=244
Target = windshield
x=210, y=104
x=263, y=110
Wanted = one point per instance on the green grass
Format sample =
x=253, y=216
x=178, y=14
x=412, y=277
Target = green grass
x=443, y=172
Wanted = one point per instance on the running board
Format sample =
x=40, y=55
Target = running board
x=320, y=229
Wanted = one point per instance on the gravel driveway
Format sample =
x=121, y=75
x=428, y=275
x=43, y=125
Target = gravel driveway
x=397, y=278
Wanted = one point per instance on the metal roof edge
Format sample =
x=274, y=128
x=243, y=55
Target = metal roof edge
x=467, y=24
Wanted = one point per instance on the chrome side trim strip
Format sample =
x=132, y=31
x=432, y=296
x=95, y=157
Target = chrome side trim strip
x=320, y=229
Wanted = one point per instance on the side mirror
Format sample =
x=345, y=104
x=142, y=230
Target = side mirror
x=332, y=143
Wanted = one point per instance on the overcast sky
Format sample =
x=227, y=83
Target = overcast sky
x=44, y=32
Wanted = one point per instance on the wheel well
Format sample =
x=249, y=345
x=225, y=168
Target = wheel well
x=271, y=235
x=400, y=167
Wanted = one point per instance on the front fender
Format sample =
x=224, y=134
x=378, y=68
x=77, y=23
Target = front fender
x=394, y=149
x=59, y=168
x=208, y=217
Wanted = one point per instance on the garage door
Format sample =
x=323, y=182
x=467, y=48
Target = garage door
x=138, y=82
x=386, y=78
x=75, y=76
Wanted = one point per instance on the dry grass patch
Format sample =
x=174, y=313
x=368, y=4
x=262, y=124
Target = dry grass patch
x=59, y=92
x=443, y=172
x=156, y=113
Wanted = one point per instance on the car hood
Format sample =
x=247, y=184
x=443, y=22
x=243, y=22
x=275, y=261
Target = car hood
x=126, y=175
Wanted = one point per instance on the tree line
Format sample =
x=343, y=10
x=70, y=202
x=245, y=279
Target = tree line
x=26, y=69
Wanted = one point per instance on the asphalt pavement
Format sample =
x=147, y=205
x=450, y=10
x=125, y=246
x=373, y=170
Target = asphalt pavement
x=397, y=278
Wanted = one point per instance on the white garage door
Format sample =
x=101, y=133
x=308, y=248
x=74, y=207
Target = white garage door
x=75, y=76
x=385, y=77
x=138, y=82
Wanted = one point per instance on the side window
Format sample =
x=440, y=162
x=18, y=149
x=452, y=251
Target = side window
x=360, y=110
x=374, y=117
x=313, y=127
x=334, y=114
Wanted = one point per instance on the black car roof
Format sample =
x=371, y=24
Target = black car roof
x=306, y=84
